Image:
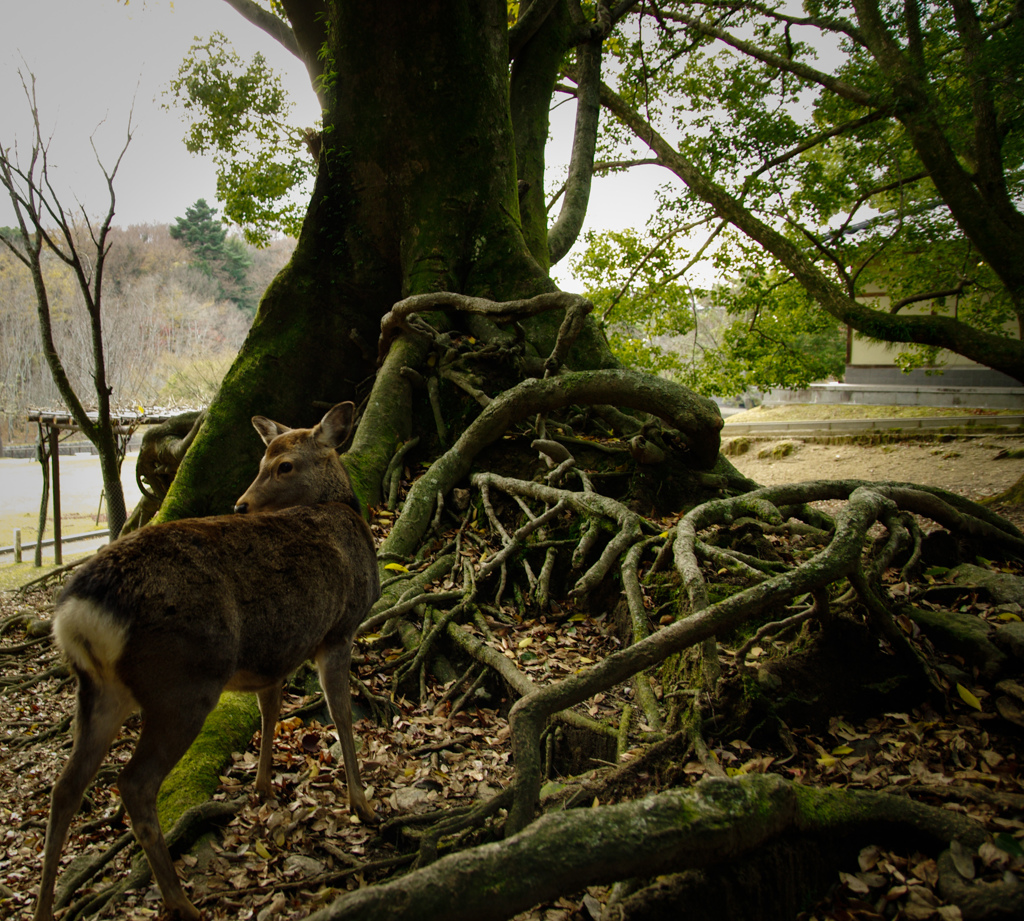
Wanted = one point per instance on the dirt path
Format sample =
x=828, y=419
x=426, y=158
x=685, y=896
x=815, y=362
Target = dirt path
x=970, y=467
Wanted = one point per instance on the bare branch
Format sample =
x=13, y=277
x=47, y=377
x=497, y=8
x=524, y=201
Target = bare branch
x=567, y=227
x=269, y=23
x=36, y=201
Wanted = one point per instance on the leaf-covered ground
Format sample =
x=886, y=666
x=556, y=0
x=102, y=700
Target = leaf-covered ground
x=284, y=858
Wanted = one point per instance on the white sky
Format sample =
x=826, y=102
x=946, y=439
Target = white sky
x=93, y=58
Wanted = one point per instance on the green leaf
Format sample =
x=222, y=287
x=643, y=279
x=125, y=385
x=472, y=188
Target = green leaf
x=1006, y=842
x=967, y=697
x=239, y=114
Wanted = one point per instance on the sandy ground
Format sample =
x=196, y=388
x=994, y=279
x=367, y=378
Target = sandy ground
x=21, y=485
x=970, y=467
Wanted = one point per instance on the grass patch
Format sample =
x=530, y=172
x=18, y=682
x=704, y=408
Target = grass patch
x=14, y=575
x=777, y=451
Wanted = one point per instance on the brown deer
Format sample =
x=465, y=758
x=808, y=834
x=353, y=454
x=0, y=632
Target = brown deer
x=166, y=618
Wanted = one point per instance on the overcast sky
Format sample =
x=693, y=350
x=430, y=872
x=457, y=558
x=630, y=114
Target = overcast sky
x=94, y=60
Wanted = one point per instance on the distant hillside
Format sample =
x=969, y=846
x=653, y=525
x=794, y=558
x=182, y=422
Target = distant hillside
x=172, y=323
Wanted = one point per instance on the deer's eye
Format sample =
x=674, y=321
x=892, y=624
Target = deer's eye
x=284, y=467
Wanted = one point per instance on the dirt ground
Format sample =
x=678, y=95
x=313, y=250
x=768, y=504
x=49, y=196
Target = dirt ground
x=971, y=467
x=275, y=860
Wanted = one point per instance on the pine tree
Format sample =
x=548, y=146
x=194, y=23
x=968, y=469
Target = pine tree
x=226, y=261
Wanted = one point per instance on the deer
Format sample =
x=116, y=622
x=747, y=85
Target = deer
x=166, y=618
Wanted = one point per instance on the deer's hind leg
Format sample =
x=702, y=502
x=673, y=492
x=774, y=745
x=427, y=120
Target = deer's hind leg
x=102, y=708
x=333, y=662
x=270, y=709
x=171, y=723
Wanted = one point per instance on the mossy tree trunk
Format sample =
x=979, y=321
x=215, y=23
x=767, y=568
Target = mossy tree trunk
x=416, y=192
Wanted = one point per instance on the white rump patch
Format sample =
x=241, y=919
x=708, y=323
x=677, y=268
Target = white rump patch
x=90, y=637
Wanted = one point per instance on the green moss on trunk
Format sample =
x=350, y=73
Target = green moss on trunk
x=195, y=778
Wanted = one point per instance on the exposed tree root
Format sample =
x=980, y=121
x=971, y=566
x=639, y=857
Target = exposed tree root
x=715, y=821
x=354, y=868
x=979, y=900
x=695, y=418
x=775, y=583
x=401, y=315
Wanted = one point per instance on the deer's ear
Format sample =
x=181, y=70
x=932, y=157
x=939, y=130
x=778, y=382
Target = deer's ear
x=268, y=429
x=335, y=429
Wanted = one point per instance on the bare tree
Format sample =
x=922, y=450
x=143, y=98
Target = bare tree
x=45, y=228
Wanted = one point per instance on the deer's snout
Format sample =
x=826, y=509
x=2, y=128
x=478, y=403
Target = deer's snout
x=242, y=508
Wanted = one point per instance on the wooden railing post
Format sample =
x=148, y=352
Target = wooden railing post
x=58, y=554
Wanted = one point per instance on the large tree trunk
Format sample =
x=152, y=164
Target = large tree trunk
x=417, y=192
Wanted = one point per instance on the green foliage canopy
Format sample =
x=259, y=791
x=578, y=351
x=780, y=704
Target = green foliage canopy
x=866, y=146
x=636, y=297
x=239, y=115
x=773, y=335
x=757, y=329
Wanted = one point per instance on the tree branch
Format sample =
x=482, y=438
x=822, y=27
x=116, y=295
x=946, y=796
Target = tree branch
x=531, y=18
x=840, y=87
x=998, y=352
x=931, y=295
x=566, y=228
x=821, y=137
x=309, y=19
x=987, y=139
x=824, y=23
x=269, y=23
